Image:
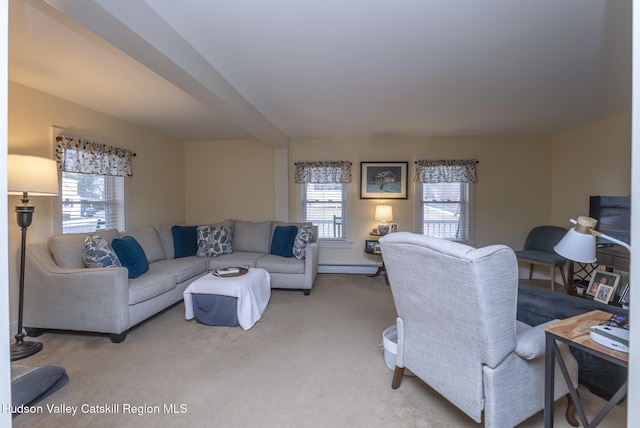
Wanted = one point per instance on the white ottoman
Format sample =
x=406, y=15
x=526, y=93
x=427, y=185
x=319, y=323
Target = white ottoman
x=210, y=294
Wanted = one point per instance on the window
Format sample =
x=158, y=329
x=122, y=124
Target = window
x=323, y=187
x=92, y=185
x=91, y=202
x=323, y=205
x=445, y=210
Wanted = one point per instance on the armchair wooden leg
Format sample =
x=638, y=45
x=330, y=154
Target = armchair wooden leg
x=397, y=377
x=564, y=278
x=571, y=412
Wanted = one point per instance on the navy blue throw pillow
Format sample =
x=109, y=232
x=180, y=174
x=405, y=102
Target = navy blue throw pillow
x=131, y=255
x=283, y=239
x=185, y=241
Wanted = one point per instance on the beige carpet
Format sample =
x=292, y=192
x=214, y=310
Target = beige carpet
x=311, y=361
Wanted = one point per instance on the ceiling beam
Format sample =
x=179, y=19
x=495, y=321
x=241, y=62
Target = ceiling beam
x=135, y=28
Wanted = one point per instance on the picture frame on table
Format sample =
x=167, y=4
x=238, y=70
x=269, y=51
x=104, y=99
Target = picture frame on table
x=599, y=278
x=624, y=296
x=394, y=227
x=603, y=294
x=383, y=180
x=376, y=248
x=369, y=245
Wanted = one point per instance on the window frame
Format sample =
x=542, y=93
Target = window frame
x=345, y=218
x=119, y=204
x=468, y=213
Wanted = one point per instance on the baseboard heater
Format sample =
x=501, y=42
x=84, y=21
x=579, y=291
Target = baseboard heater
x=349, y=269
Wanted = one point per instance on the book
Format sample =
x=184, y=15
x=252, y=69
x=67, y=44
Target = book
x=617, y=321
x=228, y=271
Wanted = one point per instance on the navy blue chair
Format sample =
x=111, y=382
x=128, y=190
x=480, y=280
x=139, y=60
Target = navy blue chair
x=538, y=250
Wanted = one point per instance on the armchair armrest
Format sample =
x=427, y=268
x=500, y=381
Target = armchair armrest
x=530, y=342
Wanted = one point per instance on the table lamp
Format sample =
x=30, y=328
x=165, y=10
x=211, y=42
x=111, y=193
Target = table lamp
x=384, y=214
x=579, y=244
x=28, y=176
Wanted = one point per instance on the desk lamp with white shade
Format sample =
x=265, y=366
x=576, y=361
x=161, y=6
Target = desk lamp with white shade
x=579, y=244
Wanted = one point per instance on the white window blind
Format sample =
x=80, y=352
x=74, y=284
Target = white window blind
x=445, y=210
x=323, y=205
x=91, y=202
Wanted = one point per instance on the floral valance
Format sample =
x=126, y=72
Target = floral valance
x=323, y=172
x=446, y=171
x=88, y=157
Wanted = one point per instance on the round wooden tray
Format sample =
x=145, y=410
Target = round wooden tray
x=241, y=272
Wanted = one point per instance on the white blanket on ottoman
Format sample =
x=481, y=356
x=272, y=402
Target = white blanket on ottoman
x=252, y=290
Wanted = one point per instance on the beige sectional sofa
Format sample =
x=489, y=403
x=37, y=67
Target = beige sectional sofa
x=62, y=294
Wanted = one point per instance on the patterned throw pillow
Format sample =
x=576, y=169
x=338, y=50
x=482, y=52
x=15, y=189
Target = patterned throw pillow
x=213, y=241
x=97, y=253
x=304, y=236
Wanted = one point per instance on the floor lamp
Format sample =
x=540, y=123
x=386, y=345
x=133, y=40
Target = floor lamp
x=28, y=176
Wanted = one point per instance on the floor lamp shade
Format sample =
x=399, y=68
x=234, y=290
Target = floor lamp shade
x=34, y=175
x=28, y=176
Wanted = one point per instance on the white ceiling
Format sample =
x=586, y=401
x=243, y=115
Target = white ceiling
x=280, y=69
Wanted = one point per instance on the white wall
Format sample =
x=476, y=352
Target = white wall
x=593, y=159
x=229, y=179
x=633, y=412
x=5, y=366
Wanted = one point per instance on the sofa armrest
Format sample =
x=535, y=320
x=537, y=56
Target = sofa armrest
x=94, y=300
x=310, y=264
x=530, y=342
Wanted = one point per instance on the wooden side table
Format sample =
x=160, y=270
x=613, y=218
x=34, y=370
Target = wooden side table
x=381, y=268
x=574, y=332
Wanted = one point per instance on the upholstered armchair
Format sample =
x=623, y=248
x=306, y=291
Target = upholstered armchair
x=538, y=250
x=457, y=328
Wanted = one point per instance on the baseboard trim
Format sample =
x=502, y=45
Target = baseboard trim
x=348, y=269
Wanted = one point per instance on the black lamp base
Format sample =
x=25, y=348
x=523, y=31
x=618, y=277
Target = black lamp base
x=24, y=348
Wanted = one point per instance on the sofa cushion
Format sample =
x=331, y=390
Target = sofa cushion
x=166, y=238
x=97, y=253
x=282, y=240
x=185, y=241
x=254, y=237
x=183, y=268
x=150, y=242
x=66, y=249
x=276, y=264
x=213, y=241
x=148, y=286
x=131, y=255
x=303, y=237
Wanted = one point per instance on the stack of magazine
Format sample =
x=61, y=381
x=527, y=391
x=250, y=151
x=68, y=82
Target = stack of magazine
x=618, y=321
x=228, y=271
